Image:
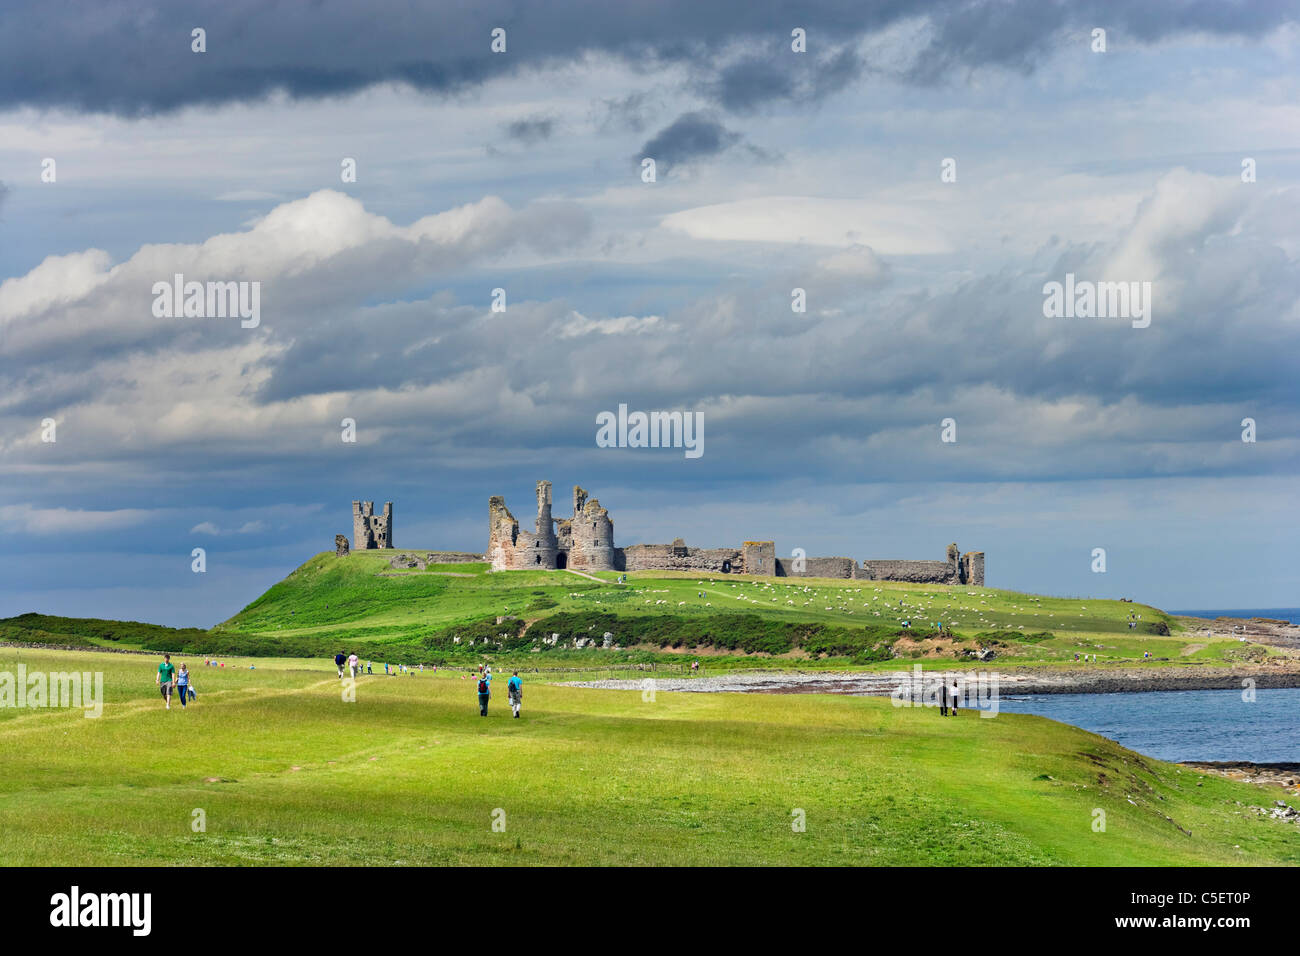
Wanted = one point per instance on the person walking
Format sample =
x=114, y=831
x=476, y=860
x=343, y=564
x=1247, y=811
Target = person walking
x=953, y=694
x=943, y=698
x=515, y=691
x=183, y=683
x=165, y=679
x=339, y=661
x=484, y=693
x=354, y=665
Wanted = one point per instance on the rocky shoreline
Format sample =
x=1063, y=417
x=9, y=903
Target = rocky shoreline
x=1280, y=774
x=1089, y=679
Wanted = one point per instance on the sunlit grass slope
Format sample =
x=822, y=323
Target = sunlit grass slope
x=285, y=772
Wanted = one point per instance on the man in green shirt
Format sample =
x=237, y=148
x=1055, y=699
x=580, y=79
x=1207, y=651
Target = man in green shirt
x=166, y=679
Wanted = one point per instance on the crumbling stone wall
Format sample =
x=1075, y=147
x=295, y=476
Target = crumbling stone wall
x=340, y=546
x=817, y=568
x=918, y=572
x=369, y=530
x=453, y=557
x=421, y=561
x=674, y=557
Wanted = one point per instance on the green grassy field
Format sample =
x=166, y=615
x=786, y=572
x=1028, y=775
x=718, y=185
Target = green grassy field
x=359, y=603
x=285, y=772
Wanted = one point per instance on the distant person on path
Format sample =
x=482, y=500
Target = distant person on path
x=183, y=683
x=955, y=694
x=943, y=698
x=354, y=665
x=165, y=679
x=369, y=669
x=515, y=691
x=339, y=660
x=484, y=693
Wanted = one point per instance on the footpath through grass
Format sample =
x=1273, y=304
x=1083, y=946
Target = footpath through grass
x=285, y=772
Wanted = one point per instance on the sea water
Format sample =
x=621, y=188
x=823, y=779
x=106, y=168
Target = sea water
x=1183, y=724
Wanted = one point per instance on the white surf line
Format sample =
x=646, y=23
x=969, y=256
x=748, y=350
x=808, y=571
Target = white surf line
x=584, y=574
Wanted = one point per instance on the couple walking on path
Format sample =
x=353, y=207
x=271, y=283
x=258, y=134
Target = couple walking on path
x=168, y=678
x=351, y=662
x=514, y=691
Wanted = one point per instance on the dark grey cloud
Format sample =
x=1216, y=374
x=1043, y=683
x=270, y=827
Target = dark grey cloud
x=778, y=75
x=135, y=58
x=1016, y=34
x=690, y=137
x=532, y=129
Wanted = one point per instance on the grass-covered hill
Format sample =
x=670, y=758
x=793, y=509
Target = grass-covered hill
x=449, y=612
x=286, y=771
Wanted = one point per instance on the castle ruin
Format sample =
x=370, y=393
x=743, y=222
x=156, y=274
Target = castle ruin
x=369, y=530
x=585, y=542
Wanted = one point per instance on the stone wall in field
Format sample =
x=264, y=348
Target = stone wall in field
x=918, y=572
x=673, y=557
x=816, y=568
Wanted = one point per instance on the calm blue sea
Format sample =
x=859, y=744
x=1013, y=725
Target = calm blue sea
x=1183, y=724
x=1291, y=614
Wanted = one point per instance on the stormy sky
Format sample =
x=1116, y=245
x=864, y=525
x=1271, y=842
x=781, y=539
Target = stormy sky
x=776, y=170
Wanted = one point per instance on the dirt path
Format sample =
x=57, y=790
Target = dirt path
x=584, y=574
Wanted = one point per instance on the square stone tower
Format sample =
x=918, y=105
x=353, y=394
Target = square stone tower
x=369, y=530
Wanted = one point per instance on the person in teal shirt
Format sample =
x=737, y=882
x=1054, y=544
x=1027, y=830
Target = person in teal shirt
x=515, y=691
x=165, y=679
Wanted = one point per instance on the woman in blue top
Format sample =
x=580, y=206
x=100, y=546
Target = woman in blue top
x=183, y=683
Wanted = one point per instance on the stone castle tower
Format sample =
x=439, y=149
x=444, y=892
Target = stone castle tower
x=591, y=535
x=370, y=530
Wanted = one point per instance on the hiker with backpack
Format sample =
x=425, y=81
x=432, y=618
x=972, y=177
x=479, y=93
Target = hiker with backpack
x=515, y=691
x=339, y=660
x=484, y=693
